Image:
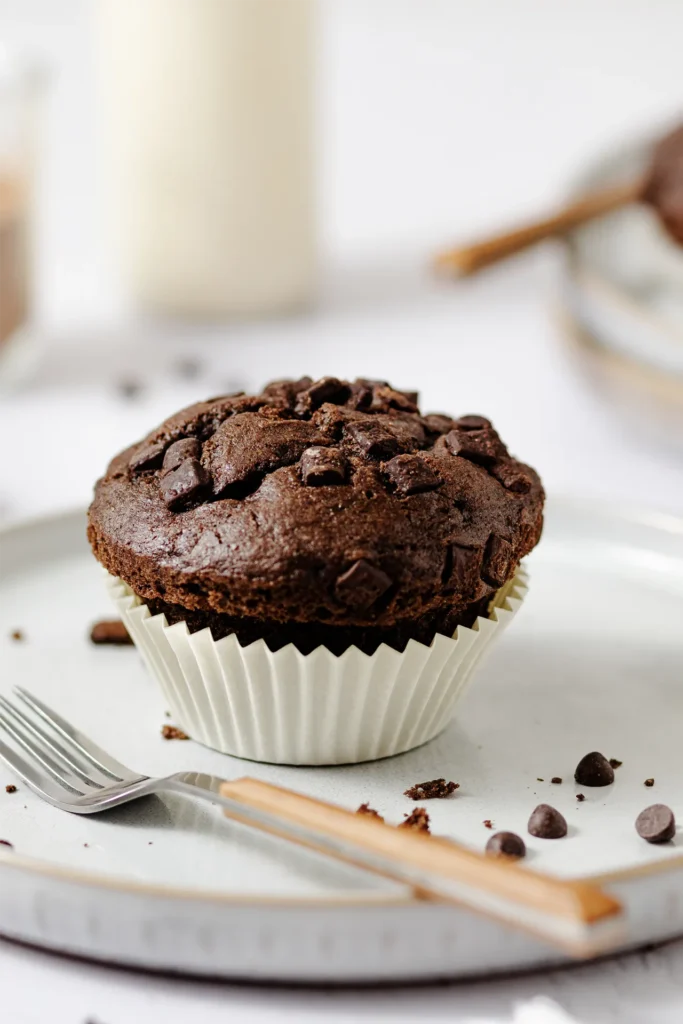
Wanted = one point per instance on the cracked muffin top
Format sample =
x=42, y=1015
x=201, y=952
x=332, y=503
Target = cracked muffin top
x=317, y=501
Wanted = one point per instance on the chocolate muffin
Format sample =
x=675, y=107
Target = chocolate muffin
x=317, y=513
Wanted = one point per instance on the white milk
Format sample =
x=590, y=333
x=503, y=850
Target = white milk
x=208, y=124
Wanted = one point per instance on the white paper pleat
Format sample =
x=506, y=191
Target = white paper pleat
x=290, y=708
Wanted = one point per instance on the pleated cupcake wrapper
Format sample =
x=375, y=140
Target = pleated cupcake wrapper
x=285, y=707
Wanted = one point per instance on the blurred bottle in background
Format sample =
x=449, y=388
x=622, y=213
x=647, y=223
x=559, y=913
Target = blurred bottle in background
x=208, y=133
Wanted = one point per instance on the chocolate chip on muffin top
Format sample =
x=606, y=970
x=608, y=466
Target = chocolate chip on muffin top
x=324, y=502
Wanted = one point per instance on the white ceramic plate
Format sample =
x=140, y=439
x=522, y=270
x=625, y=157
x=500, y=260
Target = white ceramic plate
x=594, y=661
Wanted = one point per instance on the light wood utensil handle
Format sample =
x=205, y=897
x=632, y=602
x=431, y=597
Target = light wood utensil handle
x=576, y=915
x=471, y=258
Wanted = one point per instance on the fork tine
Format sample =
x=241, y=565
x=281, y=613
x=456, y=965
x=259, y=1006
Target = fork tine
x=40, y=784
x=57, y=750
x=75, y=738
x=64, y=778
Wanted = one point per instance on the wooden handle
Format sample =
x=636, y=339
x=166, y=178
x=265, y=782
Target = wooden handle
x=572, y=913
x=471, y=258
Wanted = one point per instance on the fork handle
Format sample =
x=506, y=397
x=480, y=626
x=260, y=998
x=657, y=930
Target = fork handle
x=576, y=915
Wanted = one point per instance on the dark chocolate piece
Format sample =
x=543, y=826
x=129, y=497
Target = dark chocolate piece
x=10, y=789
x=110, y=631
x=482, y=445
x=323, y=467
x=506, y=844
x=580, y=797
x=374, y=440
x=594, y=770
x=361, y=585
x=327, y=389
x=656, y=824
x=497, y=560
x=547, y=823
x=183, y=485
x=649, y=783
x=614, y=763
x=149, y=457
x=512, y=476
x=410, y=474
x=179, y=451
x=556, y=780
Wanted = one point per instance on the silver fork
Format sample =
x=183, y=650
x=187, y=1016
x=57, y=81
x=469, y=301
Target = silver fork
x=71, y=772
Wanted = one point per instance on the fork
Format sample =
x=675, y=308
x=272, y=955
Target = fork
x=71, y=772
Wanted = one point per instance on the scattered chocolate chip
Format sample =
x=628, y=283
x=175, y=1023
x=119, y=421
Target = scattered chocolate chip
x=186, y=448
x=129, y=389
x=374, y=440
x=323, y=467
x=361, y=585
x=184, y=484
x=110, y=631
x=189, y=369
x=417, y=820
x=649, y=782
x=369, y=811
x=4, y=842
x=580, y=797
x=497, y=561
x=149, y=457
x=482, y=446
x=656, y=824
x=511, y=476
x=437, y=789
x=411, y=474
x=17, y=635
x=594, y=770
x=556, y=780
x=614, y=763
x=547, y=823
x=10, y=789
x=506, y=844
x=172, y=732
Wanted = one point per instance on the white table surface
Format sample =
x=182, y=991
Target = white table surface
x=437, y=119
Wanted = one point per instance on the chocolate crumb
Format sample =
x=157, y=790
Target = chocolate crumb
x=129, y=389
x=110, y=631
x=580, y=796
x=614, y=763
x=172, y=732
x=556, y=780
x=18, y=635
x=4, y=842
x=487, y=823
x=10, y=789
x=649, y=782
x=539, y=780
x=369, y=811
x=418, y=820
x=437, y=789
x=150, y=843
x=86, y=844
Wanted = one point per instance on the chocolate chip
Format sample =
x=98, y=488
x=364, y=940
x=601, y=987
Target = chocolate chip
x=410, y=474
x=172, y=732
x=649, y=783
x=614, y=763
x=511, y=476
x=556, y=780
x=369, y=811
x=327, y=389
x=10, y=789
x=506, y=844
x=361, y=585
x=438, y=423
x=247, y=446
x=497, y=561
x=184, y=484
x=594, y=770
x=360, y=397
x=323, y=467
x=482, y=446
x=417, y=820
x=656, y=824
x=373, y=440
x=472, y=422
x=186, y=448
x=437, y=789
x=547, y=823
x=110, y=631
x=149, y=457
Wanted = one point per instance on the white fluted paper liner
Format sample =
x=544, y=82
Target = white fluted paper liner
x=289, y=708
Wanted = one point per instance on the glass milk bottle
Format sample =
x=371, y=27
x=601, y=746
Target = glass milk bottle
x=208, y=126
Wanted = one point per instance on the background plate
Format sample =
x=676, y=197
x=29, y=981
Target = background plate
x=594, y=661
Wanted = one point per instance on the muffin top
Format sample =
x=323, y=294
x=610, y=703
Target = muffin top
x=323, y=501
